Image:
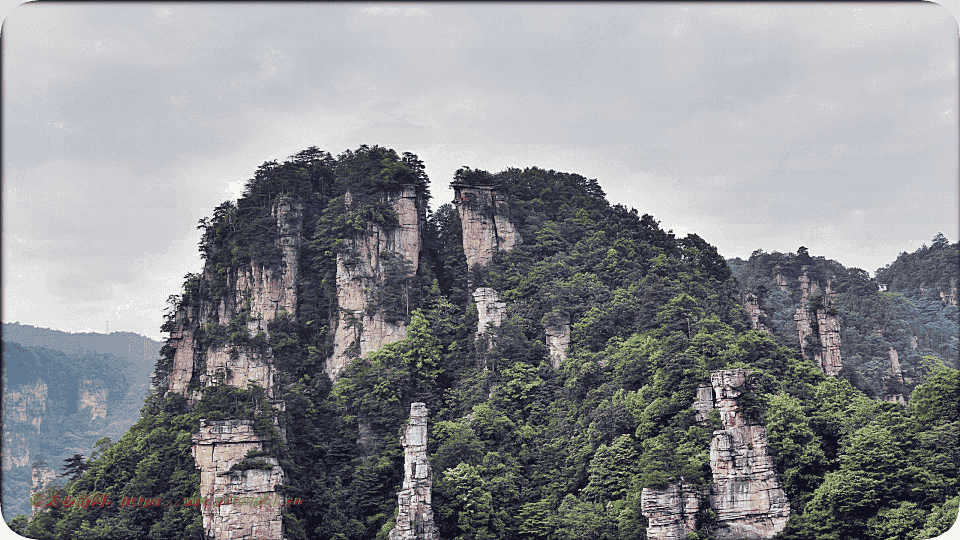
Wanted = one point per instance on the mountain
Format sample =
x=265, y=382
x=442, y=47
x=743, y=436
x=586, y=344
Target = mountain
x=62, y=393
x=527, y=362
x=885, y=333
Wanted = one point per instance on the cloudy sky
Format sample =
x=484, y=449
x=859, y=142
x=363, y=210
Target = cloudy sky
x=756, y=126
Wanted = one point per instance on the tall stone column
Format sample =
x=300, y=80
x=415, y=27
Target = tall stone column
x=415, y=516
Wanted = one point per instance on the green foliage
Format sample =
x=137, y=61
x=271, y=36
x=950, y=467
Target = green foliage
x=521, y=450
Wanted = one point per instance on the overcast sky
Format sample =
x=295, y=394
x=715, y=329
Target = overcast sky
x=834, y=127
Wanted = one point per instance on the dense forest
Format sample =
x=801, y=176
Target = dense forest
x=520, y=449
x=908, y=308
x=58, y=404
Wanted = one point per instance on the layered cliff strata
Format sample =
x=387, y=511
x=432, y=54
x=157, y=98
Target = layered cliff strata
x=746, y=495
x=415, y=515
x=672, y=512
x=259, y=294
x=92, y=396
x=375, y=257
x=219, y=451
x=485, y=220
x=40, y=479
x=827, y=329
x=26, y=404
x=491, y=311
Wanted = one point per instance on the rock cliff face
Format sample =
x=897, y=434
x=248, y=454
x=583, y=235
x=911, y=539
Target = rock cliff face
x=558, y=339
x=26, y=404
x=753, y=310
x=672, y=511
x=485, y=220
x=375, y=256
x=490, y=310
x=415, y=516
x=951, y=297
x=896, y=377
x=93, y=396
x=827, y=330
x=746, y=494
x=259, y=295
x=218, y=447
x=40, y=479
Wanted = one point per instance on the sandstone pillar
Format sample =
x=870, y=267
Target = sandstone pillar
x=415, y=516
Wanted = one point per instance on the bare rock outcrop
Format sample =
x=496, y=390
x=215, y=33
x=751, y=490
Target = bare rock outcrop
x=258, y=293
x=415, y=516
x=951, y=297
x=490, y=309
x=376, y=255
x=746, y=494
x=26, y=404
x=558, y=340
x=704, y=403
x=822, y=322
x=40, y=479
x=92, y=396
x=752, y=307
x=485, y=219
x=240, y=501
x=672, y=511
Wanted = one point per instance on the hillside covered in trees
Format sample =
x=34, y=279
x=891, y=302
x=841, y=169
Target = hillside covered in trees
x=62, y=393
x=583, y=371
x=908, y=312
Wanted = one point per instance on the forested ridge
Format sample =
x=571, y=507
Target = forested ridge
x=519, y=449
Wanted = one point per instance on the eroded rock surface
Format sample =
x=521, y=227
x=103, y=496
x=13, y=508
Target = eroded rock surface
x=558, y=339
x=258, y=293
x=746, y=495
x=895, y=377
x=752, y=308
x=26, y=404
x=672, y=511
x=490, y=309
x=93, y=397
x=40, y=479
x=376, y=255
x=485, y=219
x=216, y=449
x=415, y=516
x=821, y=322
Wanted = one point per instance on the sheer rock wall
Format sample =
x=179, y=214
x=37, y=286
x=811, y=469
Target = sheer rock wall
x=827, y=331
x=485, y=220
x=216, y=448
x=752, y=307
x=746, y=494
x=40, y=478
x=259, y=294
x=672, y=511
x=415, y=515
x=896, y=376
x=361, y=273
